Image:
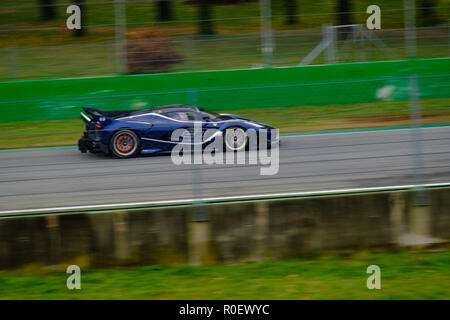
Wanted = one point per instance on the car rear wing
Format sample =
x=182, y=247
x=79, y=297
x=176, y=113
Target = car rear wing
x=92, y=116
x=85, y=118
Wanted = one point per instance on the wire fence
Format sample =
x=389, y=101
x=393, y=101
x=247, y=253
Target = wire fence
x=318, y=162
x=293, y=107
x=114, y=41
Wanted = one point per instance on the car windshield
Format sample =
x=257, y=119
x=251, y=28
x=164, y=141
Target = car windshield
x=181, y=115
x=208, y=114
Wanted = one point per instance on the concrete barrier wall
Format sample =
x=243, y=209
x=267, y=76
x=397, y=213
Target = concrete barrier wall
x=238, y=232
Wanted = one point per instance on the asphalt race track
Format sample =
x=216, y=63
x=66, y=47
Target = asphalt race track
x=65, y=177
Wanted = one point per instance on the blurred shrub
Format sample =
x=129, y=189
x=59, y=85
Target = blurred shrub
x=150, y=52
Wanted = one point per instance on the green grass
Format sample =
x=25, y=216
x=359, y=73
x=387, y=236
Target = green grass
x=290, y=119
x=404, y=275
x=54, y=53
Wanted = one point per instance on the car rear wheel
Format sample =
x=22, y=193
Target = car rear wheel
x=235, y=139
x=124, y=144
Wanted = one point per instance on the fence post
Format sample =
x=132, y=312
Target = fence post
x=410, y=28
x=121, y=235
x=120, y=35
x=420, y=216
x=199, y=227
x=190, y=54
x=416, y=133
x=54, y=234
x=199, y=210
x=266, y=32
x=192, y=97
x=13, y=56
x=330, y=36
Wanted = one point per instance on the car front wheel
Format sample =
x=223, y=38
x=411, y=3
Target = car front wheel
x=235, y=139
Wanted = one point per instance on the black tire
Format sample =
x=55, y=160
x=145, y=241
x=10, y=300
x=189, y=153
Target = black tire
x=235, y=139
x=124, y=144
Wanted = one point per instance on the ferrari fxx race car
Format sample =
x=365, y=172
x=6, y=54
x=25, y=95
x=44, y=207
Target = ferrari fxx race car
x=130, y=132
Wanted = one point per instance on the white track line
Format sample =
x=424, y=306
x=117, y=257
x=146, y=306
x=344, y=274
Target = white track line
x=225, y=198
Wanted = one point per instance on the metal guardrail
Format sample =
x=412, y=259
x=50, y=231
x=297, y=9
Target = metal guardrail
x=213, y=200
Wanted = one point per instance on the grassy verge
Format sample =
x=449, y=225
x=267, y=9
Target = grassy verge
x=291, y=119
x=31, y=49
x=407, y=275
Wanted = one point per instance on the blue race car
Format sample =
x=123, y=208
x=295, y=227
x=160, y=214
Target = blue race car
x=130, y=132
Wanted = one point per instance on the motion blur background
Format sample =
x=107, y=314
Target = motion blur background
x=145, y=37
x=357, y=109
x=120, y=37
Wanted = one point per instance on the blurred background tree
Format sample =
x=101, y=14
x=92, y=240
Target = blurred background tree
x=426, y=14
x=344, y=16
x=291, y=11
x=206, y=25
x=164, y=11
x=343, y=10
x=47, y=10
